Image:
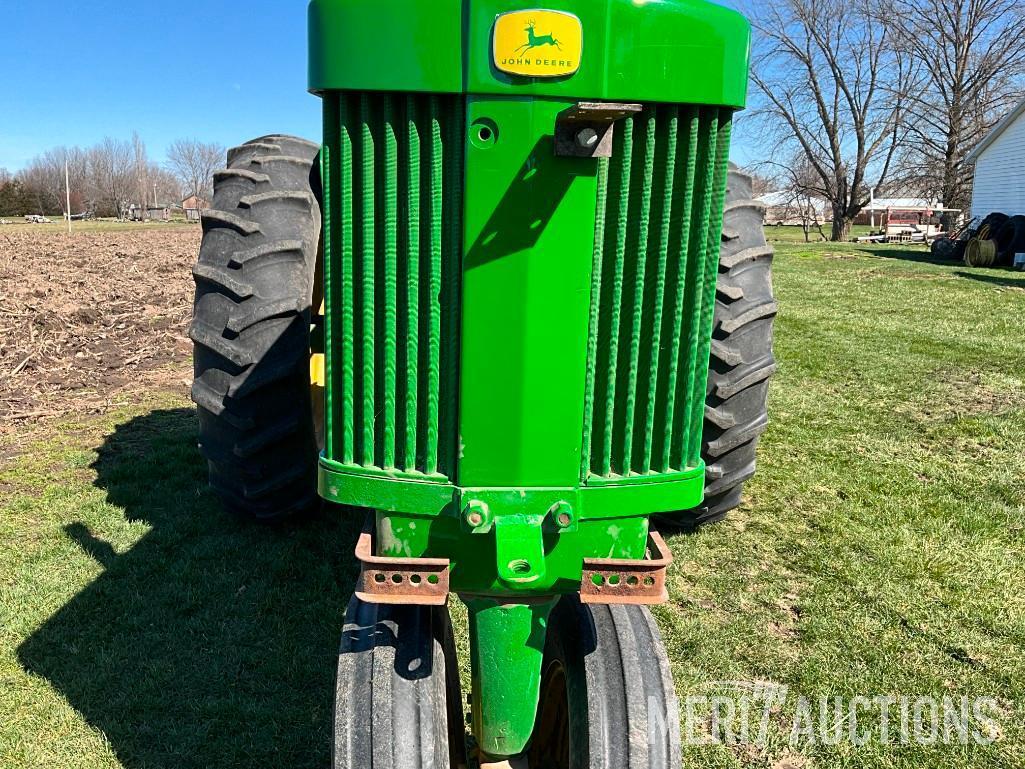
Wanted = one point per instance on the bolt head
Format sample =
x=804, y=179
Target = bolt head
x=587, y=137
x=562, y=514
x=477, y=513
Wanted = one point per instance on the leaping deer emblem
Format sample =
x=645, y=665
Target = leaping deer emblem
x=536, y=41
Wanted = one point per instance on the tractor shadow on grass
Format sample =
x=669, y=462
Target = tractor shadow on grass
x=1001, y=278
x=212, y=641
x=918, y=255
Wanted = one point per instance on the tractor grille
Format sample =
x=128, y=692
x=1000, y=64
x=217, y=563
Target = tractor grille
x=660, y=202
x=393, y=170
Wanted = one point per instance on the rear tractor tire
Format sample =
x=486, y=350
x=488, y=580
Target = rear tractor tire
x=251, y=328
x=736, y=402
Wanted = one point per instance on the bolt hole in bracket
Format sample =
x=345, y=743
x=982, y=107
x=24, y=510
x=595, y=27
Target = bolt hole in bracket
x=586, y=130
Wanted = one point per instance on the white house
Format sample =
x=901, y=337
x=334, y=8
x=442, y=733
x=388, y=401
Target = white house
x=1000, y=167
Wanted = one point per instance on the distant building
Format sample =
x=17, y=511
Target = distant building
x=906, y=211
x=905, y=220
x=149, y=213
x=193, y=205
x=794, y=209
x=1000, y=167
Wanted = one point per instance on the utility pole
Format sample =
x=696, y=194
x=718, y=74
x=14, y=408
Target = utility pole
x=67, y=190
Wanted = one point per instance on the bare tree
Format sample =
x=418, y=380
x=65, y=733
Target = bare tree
x=830, y=87
x=42, y=185
x=799, y=183
x=194, y=163
x=44, y=178
x=972, y=56
x=140, y=170
x=166, y=189
x=105, y=179
x=111, y=165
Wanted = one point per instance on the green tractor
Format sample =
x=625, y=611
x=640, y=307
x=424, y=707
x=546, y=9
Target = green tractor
x=512, y=308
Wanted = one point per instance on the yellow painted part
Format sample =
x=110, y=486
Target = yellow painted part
x=538, y=43
x=318, y=375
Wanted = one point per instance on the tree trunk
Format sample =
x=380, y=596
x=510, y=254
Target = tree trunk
x=841, y=226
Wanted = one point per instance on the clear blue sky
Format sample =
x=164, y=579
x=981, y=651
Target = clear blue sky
x=221, y=71
x=215, y=70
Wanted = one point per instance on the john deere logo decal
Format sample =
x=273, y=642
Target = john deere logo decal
x=538, y=43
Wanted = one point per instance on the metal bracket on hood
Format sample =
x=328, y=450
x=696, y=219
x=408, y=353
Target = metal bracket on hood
x=586, y=130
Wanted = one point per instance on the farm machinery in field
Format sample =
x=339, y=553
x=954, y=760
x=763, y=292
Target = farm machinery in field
x=497, y=310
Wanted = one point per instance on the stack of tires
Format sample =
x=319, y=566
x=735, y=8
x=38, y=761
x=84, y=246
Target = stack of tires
x=996, y=242
x=1010, y=241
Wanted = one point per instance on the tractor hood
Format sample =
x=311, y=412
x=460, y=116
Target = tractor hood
x=680, y=51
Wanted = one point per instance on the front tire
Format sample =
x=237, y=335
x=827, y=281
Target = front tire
x=607, y=696
x=251, y=328
x=397, y=699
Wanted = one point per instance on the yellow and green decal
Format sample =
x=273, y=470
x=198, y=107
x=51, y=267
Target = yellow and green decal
x=538, y=43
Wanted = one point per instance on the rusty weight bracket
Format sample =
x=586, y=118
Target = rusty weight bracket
x=614, y=580
x=421, y=581
x=425, y=581
x=586, y=130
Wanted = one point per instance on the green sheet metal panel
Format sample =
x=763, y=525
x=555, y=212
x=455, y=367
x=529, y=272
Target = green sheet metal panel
x=526, y=276
x=684, y=51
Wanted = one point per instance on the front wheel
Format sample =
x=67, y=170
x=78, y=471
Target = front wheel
x=607, y=698
x=397, y=700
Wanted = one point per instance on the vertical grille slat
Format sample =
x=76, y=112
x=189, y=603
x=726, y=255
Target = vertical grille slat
x=393, y=234
x=696, y=264
x=437, y=193
x=329, y=173
x=366, y=272
x=594, y=317
x=389, y=312
x=412, y=263
x=660, y=200
x=680, y=242
x=344, y=213
x=612, y=299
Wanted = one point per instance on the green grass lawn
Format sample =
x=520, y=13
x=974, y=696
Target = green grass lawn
x=794, y=234
x=880, y=552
